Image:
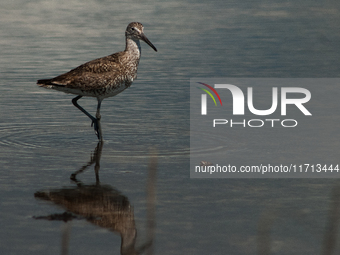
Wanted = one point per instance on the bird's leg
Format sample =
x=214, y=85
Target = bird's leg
x=95, y=121
x=99, y=127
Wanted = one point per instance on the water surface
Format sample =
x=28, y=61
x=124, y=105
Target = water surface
x=44, y=138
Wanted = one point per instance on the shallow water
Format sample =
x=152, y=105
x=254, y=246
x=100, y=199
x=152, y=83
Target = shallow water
x=44, y=138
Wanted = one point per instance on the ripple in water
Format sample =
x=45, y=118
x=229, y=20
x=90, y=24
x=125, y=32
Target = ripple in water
x=60, y=137
x=32, y=135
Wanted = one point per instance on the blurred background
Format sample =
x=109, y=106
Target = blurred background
x=44, y=138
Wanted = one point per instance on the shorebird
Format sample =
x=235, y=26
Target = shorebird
x=103, y=77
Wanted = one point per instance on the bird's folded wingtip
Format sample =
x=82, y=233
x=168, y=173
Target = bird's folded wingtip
x=48, y=83
x=44, y=82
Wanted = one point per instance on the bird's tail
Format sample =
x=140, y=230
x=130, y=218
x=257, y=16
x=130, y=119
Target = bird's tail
x=45, y=83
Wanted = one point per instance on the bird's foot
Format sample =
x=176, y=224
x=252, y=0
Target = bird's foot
x=96, y=125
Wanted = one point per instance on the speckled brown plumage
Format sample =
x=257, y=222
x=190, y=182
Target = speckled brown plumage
x=103, y=77
x=99, y=77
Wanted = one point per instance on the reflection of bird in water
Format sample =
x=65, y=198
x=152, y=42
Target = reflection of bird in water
x=101, y=205
x=103, y=77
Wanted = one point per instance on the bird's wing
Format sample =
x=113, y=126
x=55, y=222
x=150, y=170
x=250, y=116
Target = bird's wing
x=88, y=75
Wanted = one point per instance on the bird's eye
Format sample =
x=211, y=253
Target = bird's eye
x=132, y=28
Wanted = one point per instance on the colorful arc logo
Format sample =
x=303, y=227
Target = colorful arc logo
x=204, y=97
x=208, y=92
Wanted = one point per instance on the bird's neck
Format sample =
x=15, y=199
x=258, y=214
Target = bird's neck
x=133, y=48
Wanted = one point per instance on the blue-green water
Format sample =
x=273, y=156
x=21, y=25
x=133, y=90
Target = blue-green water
x=44, y=138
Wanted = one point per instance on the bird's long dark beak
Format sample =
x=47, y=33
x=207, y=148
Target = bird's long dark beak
x=145, y=39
